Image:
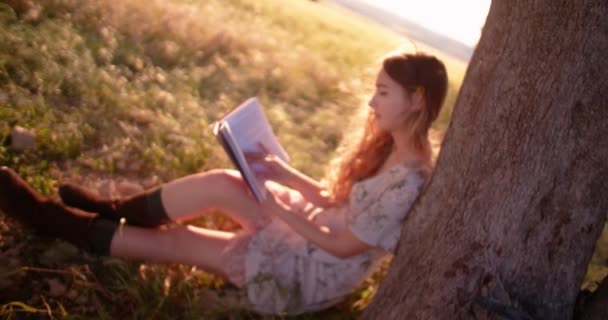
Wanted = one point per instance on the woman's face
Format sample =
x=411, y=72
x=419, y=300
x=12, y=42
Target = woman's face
x=391, y=103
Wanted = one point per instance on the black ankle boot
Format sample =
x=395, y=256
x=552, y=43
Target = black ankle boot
x=50, y=218
x=144, y=210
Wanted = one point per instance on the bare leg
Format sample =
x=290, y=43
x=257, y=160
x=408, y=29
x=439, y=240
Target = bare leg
x=182, y=244
x=187, y=197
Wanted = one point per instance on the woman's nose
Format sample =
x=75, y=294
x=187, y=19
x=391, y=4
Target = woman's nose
x=371, y=103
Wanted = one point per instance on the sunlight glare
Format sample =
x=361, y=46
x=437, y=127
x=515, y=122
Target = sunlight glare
x=459, y=20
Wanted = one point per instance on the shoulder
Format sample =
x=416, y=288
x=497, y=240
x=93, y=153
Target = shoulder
x=413, y=172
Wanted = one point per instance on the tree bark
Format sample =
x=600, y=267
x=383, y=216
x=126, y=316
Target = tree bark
x=507, y=225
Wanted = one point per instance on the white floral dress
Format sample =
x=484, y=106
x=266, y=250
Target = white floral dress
x=284, y=273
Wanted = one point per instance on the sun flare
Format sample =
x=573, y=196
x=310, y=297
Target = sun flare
x=459, y=20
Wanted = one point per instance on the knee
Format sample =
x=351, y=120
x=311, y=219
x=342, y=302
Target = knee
x=222, y=179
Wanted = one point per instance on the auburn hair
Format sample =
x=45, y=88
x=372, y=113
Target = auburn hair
x=415, y=72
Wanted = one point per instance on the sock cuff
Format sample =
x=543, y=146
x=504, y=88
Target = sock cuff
x=156, y=209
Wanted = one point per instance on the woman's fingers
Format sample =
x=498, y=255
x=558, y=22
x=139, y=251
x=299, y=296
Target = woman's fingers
x=266, y=165
x=270, y=203
x=274, y=203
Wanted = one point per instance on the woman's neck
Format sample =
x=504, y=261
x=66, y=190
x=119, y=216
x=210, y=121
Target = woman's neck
x=404, y=148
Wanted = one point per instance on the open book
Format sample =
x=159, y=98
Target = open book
x=242, y=130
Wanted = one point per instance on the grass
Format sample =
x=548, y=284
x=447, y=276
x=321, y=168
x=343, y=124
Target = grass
x=129, y=89
x=140, y=83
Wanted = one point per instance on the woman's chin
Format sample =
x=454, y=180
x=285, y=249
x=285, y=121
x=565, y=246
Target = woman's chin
x=380, y=125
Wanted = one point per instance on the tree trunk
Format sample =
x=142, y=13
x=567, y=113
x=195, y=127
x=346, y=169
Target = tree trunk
x=508, y=222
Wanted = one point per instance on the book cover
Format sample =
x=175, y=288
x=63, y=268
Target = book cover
x=243, y=129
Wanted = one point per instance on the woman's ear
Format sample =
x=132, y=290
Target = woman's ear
x=418, y=102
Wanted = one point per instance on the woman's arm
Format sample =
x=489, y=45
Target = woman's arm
x=310, y=189
x=275, y=169
x=341, y=244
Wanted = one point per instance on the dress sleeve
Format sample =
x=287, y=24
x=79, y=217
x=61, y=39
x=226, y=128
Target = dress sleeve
x=375, y=216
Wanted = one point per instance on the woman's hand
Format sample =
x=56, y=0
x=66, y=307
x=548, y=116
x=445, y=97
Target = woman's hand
x=269, y=167
x=274, y=205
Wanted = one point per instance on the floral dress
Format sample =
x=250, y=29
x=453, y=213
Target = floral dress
x=282, y=272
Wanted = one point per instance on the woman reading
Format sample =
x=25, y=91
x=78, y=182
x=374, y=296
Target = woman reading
x=303, y=249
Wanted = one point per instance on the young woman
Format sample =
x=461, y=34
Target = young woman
x=303, y=249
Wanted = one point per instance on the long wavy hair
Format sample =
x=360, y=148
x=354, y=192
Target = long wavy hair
x=415, y=72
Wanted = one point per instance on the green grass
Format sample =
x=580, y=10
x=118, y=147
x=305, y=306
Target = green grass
x=129, y=89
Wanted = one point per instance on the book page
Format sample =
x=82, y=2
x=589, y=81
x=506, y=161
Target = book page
x=249, y=127
x=227, y=139
x=242, y=130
